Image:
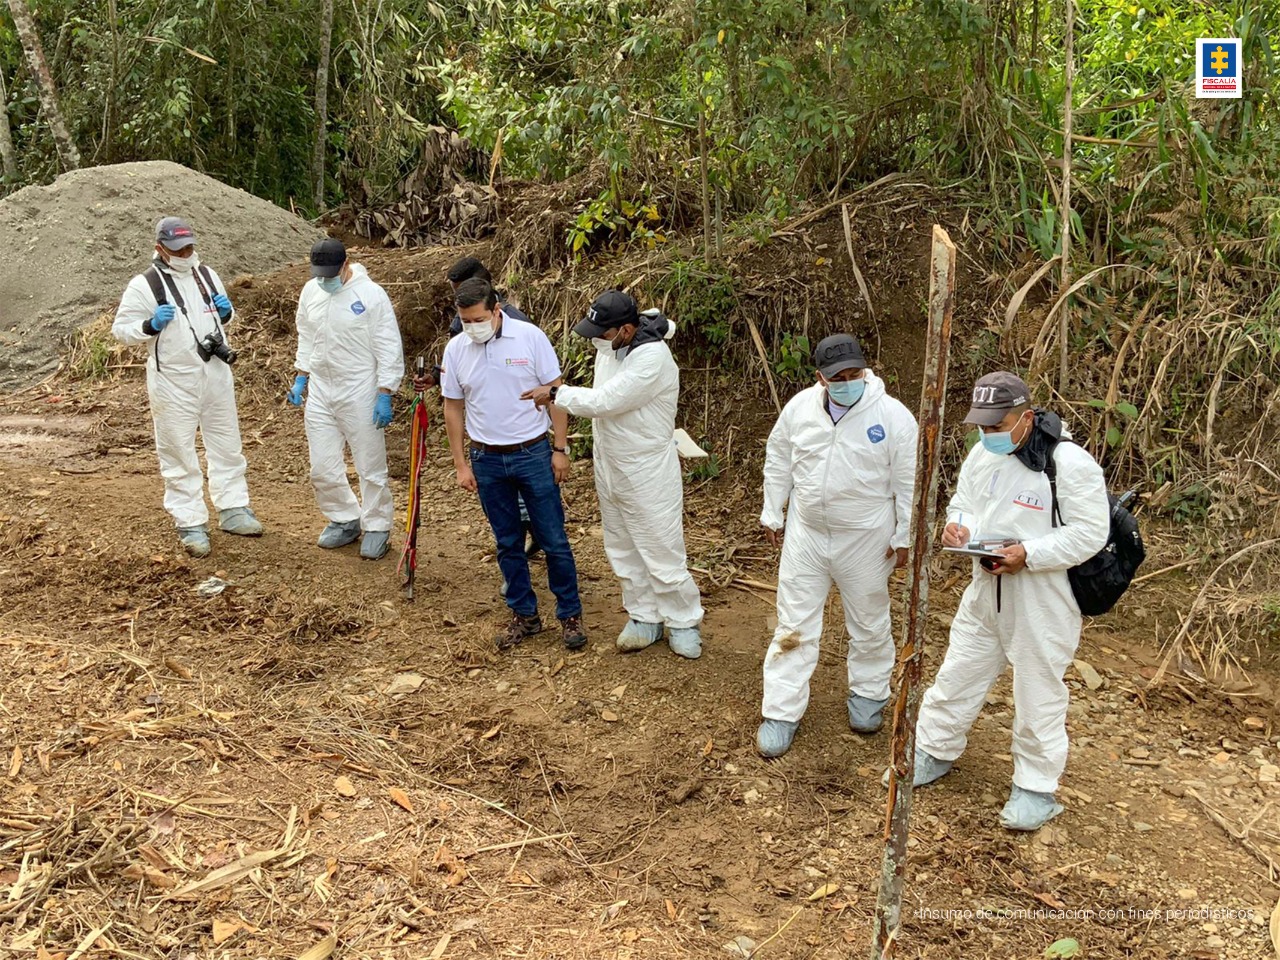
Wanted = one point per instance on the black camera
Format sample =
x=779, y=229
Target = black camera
x=214, y=345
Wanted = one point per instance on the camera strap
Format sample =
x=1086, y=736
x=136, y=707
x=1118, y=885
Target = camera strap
x=160, y=280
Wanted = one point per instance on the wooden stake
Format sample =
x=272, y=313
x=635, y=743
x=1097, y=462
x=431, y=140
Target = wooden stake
x=933, y=397
x=1064, y=320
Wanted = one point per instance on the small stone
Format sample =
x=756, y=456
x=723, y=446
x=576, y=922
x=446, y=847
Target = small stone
x=1142, y=827
x=1255, y=723
x=1139, y=753
x=502, y=686
x=1229, y=744
x=990, y=798
x=1215, y=943
x=740, y=947
x=1090, y=676
x=1269, y=773
x=751, y=796
x=1221, y=758
x=1188, y=893
x=1115, y=860
x=1228, y=781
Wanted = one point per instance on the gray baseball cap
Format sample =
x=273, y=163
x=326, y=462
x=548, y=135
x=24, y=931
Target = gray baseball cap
x=994, y=396
x=837, y=353
x=175, y=233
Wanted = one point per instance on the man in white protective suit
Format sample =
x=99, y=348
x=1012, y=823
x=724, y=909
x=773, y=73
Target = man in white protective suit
x=1019, y=610
x=350, y=362
x=842, y=460
x=179, y=309
x=632, y=403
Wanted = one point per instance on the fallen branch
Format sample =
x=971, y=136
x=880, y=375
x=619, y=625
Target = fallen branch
x=512, y=844
x=1176, y=645
x=1235, y=833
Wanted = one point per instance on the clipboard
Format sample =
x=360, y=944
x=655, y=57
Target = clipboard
x=981, y=548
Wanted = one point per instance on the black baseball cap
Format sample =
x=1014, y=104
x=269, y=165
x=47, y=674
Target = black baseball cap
x=838, y=353
x=994, y=396
x=175, y=233
x=611, y=310
x=327, y=257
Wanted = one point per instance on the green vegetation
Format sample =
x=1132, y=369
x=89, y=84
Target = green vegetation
x=729, y=116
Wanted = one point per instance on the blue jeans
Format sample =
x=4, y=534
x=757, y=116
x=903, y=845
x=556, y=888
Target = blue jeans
x=502, y=480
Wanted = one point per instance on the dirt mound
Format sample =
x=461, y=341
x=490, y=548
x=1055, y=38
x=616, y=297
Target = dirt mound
x=72, y=245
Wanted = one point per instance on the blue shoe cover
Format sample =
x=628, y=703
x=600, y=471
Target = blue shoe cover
x=865, y=716
x=928, y=769
x=636, y=635
x=1028, y=810
x=339, y=534
x=685, y=642
x=774, y=737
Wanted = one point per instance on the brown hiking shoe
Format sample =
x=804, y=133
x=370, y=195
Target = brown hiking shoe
x=519, y=628
x=575, y=638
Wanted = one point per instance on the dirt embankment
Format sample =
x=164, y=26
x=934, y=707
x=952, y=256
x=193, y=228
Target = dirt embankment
x=71, y=246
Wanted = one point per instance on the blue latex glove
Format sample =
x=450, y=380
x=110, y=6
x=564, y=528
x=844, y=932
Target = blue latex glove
x=296, y=392
x=160, y=319
x=382, y=410
x=222, y=303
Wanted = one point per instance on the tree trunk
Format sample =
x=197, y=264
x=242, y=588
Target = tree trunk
x=8, y=159
x=26, y=28
x=322, y=102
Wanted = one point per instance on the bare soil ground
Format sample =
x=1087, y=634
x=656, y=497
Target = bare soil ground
x=304, y=760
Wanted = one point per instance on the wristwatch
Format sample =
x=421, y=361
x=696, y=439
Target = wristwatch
x=564, y=450
x=552, y=393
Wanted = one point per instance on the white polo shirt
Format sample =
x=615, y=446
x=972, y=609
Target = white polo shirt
x=490, y=377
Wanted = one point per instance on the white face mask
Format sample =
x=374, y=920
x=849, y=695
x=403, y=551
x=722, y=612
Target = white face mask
x=480, y=332
x=183, y=264
x=602, y=343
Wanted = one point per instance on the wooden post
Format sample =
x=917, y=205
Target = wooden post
x=25, y=25
x=1064, y=320
x=933, y=398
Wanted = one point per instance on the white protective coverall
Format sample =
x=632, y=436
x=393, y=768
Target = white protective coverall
x=187, y=394
x=638, y=480
x=349, y=344
x=849, y=488
x=1037, y=626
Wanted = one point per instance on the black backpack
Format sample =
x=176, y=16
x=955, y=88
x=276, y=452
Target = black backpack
x=1100, y=581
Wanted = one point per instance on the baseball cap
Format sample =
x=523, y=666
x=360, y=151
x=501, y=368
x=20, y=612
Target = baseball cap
x=611, y=310
x=327, y=257
x=837, y=353
x=995, y=395
x=175, y=233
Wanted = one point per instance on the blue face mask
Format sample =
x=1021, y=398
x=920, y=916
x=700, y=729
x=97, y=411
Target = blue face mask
x=999, y=443
x=330, y=285
x=846, y=392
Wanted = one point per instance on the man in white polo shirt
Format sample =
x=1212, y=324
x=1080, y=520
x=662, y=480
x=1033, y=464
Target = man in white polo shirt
x=486, y=368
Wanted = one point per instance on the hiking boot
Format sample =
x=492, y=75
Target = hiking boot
x=239, y=521
x=339, y=534
x=575, y=638
x=195, y=540
x=519, y=628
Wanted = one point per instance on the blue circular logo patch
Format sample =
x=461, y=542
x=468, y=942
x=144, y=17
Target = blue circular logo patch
x=876, y=433
x=357, y=307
